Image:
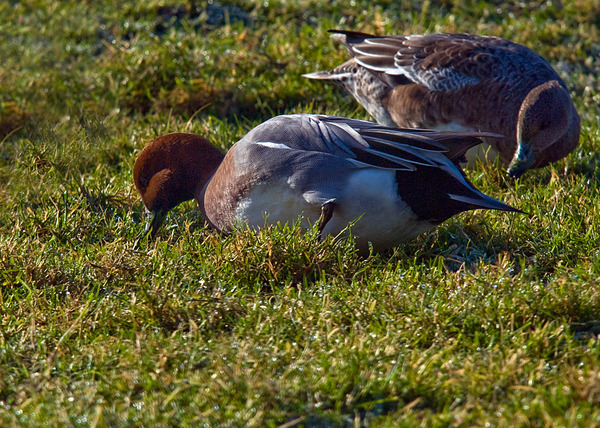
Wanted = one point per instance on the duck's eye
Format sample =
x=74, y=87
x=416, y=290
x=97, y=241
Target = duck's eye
x=544, y=125
x=144, y=181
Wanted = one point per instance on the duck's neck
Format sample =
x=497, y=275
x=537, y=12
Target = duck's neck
x=563, y=146
x=211, y=161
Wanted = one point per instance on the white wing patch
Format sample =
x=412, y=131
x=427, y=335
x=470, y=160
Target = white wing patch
x=272, y=145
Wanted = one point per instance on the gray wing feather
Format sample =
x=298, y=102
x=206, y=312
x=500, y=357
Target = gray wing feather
x=378, y=146
x=364, y=144
x=319, y=152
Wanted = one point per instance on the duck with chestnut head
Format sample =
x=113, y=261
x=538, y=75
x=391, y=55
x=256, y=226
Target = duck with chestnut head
x=393, y=183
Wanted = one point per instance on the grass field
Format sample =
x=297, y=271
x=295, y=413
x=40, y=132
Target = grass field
x=492, y=319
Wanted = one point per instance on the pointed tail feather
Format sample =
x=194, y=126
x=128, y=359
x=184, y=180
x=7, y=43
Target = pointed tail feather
x=484, y=202
x=325, y=75
x=349, y=37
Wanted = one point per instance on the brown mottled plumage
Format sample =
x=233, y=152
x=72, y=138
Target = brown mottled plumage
x=463, y=82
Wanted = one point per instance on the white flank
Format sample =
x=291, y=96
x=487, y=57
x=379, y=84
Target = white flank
x=371, y=197
x=277, y=202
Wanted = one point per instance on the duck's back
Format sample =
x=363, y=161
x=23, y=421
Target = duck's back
x=449, y=61
x=293, y=166
x=453, y=81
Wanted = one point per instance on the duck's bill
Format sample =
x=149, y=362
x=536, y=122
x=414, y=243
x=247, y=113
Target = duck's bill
x=154, y=220
x=522, y=160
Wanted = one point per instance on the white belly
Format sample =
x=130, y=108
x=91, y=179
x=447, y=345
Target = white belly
x=382, y=218
x=369, y=198
x=276, y=202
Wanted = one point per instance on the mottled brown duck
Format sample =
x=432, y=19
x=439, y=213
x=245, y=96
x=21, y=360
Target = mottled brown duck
x=463, y=82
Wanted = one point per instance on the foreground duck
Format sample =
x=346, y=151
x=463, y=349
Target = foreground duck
x=463, y=82
x=331, y=170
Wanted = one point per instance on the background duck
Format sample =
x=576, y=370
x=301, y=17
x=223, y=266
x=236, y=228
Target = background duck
x=397, y=183
x=463, y=82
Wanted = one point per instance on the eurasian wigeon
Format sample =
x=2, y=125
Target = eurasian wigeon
x=395, y=183
x=463, y=82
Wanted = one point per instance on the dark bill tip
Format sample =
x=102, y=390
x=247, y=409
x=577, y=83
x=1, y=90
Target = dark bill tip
x=154, y=220
x=523, y=159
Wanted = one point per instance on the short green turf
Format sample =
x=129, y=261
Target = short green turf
x=492, y=319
